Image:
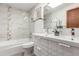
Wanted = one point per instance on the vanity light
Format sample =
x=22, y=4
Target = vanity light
x=53, y=5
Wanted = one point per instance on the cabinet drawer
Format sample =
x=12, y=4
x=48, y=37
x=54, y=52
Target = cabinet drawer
x=62, y=49
x=38, y=50
x=72, y=51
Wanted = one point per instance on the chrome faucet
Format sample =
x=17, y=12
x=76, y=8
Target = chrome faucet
x=73, y=33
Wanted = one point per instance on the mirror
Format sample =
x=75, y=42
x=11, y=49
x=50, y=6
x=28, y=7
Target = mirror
x=51, y=20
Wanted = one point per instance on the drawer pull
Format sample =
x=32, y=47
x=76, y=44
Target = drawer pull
x=65, y=45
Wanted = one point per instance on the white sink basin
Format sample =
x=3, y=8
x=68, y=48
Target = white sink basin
x=28, y=45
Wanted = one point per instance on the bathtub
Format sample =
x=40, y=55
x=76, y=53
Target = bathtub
x=14, y=47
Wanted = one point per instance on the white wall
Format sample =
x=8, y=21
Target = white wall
x=60, y=14
x=16, y=20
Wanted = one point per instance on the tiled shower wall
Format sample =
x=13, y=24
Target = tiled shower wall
x=14, y=23
x=60, y=14
x=3, y=22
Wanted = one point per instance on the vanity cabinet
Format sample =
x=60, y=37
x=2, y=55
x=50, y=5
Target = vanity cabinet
x=49, y=47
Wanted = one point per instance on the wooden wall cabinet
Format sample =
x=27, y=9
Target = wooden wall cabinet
x=73, y=18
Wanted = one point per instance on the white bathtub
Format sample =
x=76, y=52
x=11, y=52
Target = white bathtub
x=12, y=47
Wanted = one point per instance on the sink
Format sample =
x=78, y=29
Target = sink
x=28, y=45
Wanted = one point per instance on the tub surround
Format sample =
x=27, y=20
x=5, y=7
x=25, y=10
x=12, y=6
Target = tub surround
x=15, y=47
x=14, y=23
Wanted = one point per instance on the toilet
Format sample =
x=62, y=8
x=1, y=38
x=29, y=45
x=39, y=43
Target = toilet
x=28, y=48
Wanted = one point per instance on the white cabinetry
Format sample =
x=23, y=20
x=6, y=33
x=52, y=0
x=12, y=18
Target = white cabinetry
x=45, y=47
x=38, y=19
x=41, y=47
x=38, y=13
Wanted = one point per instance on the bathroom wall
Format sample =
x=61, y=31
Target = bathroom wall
x=14, y=23
x=3, y=22
x=60, y=14
x=19, y=24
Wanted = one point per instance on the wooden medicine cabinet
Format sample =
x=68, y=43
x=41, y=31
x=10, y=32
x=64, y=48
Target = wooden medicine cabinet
x=73, y=18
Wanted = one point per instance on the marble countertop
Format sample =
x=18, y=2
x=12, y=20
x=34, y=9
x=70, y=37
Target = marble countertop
x=63, y=39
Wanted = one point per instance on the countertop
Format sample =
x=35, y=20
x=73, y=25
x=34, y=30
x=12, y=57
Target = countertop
x=63, y=39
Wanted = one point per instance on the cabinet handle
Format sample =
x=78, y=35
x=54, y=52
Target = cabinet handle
x=65, y=45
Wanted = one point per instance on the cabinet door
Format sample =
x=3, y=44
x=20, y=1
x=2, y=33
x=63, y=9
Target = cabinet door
x=69, y=51
x=36, y=45
x=40, y=11
x=45, y=46
x=41, y=47
x=54, y=49
x=60, y=49
x=73, y=18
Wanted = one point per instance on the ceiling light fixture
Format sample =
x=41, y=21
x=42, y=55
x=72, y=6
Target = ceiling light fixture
x=53, y=5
